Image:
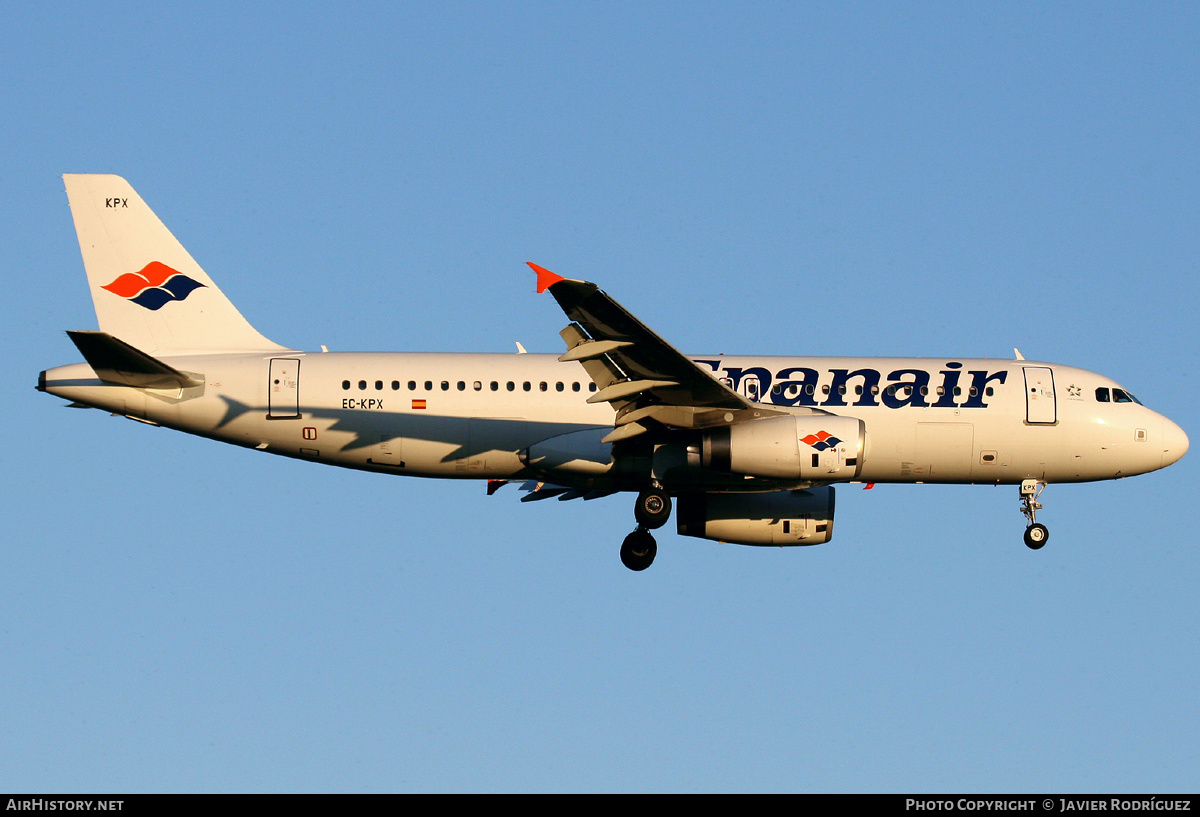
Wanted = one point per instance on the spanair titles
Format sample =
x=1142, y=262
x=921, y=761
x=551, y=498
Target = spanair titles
x=948, y=387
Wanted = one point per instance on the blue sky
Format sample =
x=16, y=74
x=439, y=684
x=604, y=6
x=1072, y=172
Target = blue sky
x=777, y=178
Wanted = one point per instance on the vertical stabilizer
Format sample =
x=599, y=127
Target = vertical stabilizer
x=147, y=289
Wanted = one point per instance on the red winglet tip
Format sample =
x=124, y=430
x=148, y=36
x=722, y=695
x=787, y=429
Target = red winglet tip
x=545, y=278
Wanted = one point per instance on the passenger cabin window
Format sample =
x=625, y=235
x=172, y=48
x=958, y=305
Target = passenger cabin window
x=478, y=385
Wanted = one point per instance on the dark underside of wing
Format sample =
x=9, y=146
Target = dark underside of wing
x=649, y=382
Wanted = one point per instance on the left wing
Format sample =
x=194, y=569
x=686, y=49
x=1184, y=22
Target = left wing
x=648, y=382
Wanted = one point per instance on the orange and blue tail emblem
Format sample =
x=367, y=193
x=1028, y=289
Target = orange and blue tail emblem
x=154, y=286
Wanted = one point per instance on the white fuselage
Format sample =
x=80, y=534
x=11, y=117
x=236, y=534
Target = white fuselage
x=942, y=420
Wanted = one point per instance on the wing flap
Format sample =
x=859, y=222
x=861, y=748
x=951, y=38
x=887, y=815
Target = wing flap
x=628, y=388
x=588, y=349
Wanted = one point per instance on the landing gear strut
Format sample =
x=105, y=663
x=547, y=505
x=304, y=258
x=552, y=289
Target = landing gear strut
x=652, y=510
x=1036, y=534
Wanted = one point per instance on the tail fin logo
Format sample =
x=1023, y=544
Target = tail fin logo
x=154, y=286
x=821, y=441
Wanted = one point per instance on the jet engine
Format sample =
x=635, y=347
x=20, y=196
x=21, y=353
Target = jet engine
x=820, y=447
x=779, y=518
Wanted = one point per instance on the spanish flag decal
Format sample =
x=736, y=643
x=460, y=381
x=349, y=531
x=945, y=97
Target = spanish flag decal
x=418, y=404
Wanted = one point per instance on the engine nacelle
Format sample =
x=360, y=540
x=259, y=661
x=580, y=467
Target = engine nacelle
x=818, y=447
x=779, y=518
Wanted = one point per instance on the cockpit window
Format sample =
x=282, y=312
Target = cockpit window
x=1104, y=395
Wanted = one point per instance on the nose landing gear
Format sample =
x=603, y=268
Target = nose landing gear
x=1036, y=534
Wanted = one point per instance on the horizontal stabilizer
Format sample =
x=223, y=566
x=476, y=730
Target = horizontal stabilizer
x=115, y=361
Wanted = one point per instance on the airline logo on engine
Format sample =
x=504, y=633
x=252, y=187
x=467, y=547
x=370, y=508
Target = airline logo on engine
x=822, y=441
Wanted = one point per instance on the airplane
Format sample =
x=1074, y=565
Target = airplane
x=744, y=450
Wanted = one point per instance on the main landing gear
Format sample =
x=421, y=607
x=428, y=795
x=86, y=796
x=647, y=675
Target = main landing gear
x=638, y=550
x=652, y=510
x=1036, y=534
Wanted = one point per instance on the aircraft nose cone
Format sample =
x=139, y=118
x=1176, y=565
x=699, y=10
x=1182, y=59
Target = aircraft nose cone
x=1175, y=443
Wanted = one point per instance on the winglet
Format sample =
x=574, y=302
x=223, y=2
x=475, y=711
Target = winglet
x=545, y=278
